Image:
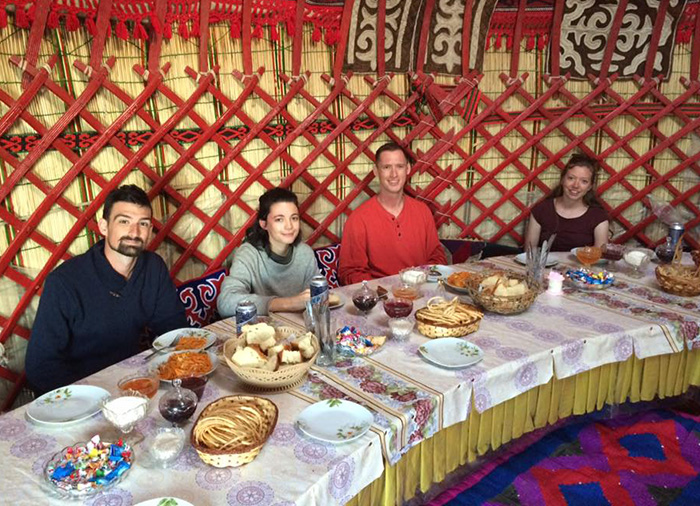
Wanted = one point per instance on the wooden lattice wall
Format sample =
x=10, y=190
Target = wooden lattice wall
x=207, y=124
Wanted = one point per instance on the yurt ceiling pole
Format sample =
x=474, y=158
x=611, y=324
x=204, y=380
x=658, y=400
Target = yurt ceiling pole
x=104, y=9
x=68, y=177
x=204, y=6
x=429, y=192
x=246, y=36
x=491, y=142
x=36, y=33
x=92, y=208
x=66, y=118
x=535, y=105
x=161, y=8
x=382, y=125
x=168, y=138
x=612, y=39
x=615, y=137
x=262, y=167
x=192, y=151
x=695, y=51
x=655, y=37
x=438, y=185
x=313, y=141
x=204, y=137
x=424, y=35
x=466, y=36
x=555, y=37
x=298, y=41
x=35, y=180
x=343, y=42
x=515, y=50
x=19, y=105
x=114, y=141
x=448, y=103
x=380, y=40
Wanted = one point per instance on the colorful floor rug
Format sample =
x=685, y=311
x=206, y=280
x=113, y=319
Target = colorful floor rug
x=647, y=459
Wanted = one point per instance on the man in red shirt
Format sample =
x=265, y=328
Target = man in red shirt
x=390, y=231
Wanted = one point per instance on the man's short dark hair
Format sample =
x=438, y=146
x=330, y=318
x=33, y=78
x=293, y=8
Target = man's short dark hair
x=127, y=193
x=393, y=146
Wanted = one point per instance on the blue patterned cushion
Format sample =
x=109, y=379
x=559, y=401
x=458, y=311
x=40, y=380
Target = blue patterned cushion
x=327, y=259
x=199, y=298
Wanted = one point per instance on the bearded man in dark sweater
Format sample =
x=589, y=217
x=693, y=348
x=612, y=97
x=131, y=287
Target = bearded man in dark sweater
x=95, y=307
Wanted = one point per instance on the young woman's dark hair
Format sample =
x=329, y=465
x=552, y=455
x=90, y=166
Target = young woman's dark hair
x=126, y=193
x=580, y=160
x=256, y=235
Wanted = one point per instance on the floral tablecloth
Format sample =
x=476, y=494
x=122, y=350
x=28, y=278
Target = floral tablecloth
x=558, y=335
x=410, y=399
x=291, y=469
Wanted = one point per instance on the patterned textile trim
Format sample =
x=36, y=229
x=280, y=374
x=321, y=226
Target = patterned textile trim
x=199, y=298
x=327, y=259
x=23, y=143
x=325, y=15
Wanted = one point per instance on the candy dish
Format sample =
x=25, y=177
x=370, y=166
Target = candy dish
x=86, y=469
x=586, y=279
x=351, y=341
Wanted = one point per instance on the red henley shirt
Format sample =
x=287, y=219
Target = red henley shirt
x=376, y=243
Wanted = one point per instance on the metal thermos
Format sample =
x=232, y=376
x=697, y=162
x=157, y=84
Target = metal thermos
x=321, y=318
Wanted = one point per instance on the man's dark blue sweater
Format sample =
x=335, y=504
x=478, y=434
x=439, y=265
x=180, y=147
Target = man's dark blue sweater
x=91, y=317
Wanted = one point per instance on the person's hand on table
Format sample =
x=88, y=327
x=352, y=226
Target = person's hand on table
x=294, y=303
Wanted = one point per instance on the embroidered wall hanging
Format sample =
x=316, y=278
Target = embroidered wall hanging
x=585, y=30
x=403, y=22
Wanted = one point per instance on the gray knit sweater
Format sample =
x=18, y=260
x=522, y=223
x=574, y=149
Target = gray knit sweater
x=258, y=278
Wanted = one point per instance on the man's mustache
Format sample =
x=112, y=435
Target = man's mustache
x=134, y=239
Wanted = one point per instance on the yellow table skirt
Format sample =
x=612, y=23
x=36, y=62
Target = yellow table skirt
x=634, y=380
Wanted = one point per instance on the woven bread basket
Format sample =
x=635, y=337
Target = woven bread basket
x=499, y=303
x=287, y=376
x=677, y=279
x=252, y=421
x=432, y=329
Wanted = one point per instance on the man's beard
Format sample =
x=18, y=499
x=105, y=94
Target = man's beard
x=130, y=250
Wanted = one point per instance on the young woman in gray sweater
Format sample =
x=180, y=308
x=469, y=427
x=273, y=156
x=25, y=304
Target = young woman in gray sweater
x=272, y=268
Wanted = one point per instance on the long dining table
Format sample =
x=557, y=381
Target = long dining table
x=567, y=354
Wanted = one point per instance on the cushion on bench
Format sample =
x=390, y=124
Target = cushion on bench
x=199, y=298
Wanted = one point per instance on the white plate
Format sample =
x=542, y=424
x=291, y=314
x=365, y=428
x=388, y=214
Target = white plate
x=165, y=340
x=165, y=501
x=602, y=261
x=341, y=303
x=451, y=352
x=67, y=405
x=335, y=421
x=522, y=259
x=153, y=369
